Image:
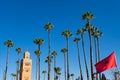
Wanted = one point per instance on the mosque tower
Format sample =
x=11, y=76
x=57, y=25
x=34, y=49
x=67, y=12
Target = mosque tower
x=26, y=67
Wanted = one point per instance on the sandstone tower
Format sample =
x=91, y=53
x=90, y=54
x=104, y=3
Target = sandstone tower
x=26, y=67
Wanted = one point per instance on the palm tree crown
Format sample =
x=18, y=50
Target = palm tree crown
x=44, y=71
x=57, y=70
x=9, y=43
x=48, y=26
x=81, y=31
x=76, y=40
x=96, y=33
x=67, y=33
x=38, y=41
x=19, y=50
x=88, y=16
x=37, y=52
x=54, y=53
x=64, y=50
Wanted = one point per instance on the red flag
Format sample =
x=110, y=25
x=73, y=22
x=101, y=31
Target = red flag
x=106, y=63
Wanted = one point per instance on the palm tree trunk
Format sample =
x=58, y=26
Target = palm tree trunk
x=91, y=60
x=55, y=61
x=98, y=55
x=14, y=77
x=39, y=67
x=65, y=65
x=44, y=77
x=17, y=70
x=79, y=62
x=36, y=67
x=95, y=51
x=39, y=63
x=49, y=65
x=4, y=75
x=54, y=66
x=68, y=71
x=59, y=77
x=6, y=69
x=18, y=66
x=96, y=59
x=73, y=78
x=87, y=72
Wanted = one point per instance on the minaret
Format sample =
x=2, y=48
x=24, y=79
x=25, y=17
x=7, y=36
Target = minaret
x=26, y=67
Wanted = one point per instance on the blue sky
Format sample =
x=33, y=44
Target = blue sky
x=23, y=21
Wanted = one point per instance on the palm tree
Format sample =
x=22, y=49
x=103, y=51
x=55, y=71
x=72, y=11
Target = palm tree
x=44, y=72
x=50, y=57
x=79, y=62
x=38, y=42
x=97, y=33
x=88, y=16
x=67, y=34
x=13, y=76
x=19, y=50
x=57, y=71
x=54, y=53
x=72, y=75
x=20, y=72
x=9, y=44
x=82, y=31
x=49, y=27
x=59, y=75
x=17, y=70
x=98, y=44
x=64, y=50
x=37, y=52
x=94, y=34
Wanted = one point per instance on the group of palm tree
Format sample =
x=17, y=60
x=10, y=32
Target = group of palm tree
x=93, y=34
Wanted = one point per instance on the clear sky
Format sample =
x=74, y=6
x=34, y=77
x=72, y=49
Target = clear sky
x=22, y=21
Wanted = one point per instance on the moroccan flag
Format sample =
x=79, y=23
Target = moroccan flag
x=106, y=63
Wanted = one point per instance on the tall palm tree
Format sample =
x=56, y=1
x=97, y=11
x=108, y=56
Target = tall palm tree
x=98, y=44
x=9, y=44
x=37, y=52
x=82, y=31
x=39, y=42
x=59, y=75
x=94, y=34
x=88, y=16
x=97, y=33
x=67, y=34
x=79, y=61
x=54, y=53
x=72, y=75
x=49, y=27
x=44, y=72
x=13, y=76
x=64, y=50
x=19, y=50
x=57, y=71
x=50, y=59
